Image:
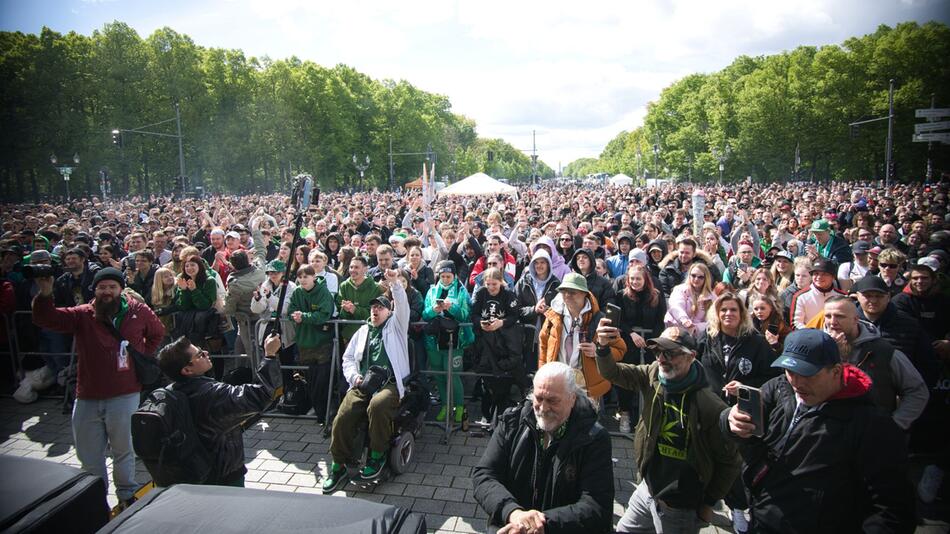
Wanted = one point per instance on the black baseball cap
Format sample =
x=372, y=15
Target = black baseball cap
x=808, y=351
x=824, y=265
x=382, y=301
x=869, y=284
x=861, y=247
x=673, y=338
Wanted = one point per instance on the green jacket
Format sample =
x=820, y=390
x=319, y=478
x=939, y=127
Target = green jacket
x=316, y=307
x=460, y=311
x=712, y=455
x=360, y=296
x=200, y=298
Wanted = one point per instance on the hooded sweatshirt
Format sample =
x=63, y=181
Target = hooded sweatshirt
x=558, y=265
x=869, y=352
x=537, y=283
x=598, y=285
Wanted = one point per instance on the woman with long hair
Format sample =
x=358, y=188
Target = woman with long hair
x=195, y=290
x=690, y=300
x=163, y=297
x=642, y=308
x=108, y=257
x=420, y=274
x=344, y=257
x=783, y=271
x=301, y=258
x=768, y=320
x=732, y=351
x=761, y=284
x=331, y=247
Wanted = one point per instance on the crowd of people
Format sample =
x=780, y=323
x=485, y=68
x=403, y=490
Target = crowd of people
x=830, y=300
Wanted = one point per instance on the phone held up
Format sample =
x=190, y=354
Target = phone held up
x=750, y=403
x=613, y=315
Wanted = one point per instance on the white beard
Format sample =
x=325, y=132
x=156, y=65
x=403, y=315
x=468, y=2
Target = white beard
x=546, y=421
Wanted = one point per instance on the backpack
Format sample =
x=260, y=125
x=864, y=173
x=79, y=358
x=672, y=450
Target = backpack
x=165, y=438
x=296, y=398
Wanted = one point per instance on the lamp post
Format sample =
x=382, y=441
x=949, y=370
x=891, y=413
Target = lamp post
x=361, y=166
x=65, y=169
x=639, y=157
x=656, y=158
x=722, y=156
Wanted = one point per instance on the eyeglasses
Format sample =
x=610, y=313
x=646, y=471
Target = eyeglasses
x=668, y=355
x=888, y=265
x=698, y=276
x=567, y=239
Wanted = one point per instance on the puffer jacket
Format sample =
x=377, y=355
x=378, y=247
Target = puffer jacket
x=711, y=455
x=842, y=468
x=218, y=409
x=549, y=343
x=577, y=494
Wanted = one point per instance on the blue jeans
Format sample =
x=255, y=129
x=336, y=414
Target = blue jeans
x=98, y=424
x=646, y=515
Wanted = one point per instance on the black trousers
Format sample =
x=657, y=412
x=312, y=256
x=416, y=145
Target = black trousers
x=318, y=382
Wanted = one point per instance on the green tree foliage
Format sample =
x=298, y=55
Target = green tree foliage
x=249, y=124
x=763, y=107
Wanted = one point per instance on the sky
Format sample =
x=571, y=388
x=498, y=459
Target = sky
x=576, y=72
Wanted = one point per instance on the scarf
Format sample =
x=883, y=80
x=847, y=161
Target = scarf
x=683, y=384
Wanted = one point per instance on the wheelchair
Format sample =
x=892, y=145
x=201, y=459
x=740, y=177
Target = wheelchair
x=407, y=427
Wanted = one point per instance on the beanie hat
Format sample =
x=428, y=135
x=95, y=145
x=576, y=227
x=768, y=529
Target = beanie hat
x=108, y=273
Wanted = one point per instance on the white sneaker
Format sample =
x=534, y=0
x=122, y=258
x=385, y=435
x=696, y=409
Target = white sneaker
x=929, y=484
x=740, y=525
x=625, y=423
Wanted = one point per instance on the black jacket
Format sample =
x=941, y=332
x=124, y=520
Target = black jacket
x=219, y=409
x=750, y=362
x=527, y=300
x=840, y=251
x=497, y=352
x=907, y=336
x=842, y=468
x=577, y=493
x=639, y=314
x=598, y=285
x=65, y=285
x=933, y=311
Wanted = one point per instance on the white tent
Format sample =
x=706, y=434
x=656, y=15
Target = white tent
x=621, y=179
x=479, y=184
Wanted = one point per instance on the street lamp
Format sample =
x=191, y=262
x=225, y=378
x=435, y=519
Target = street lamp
x=65, y=169
x=361, y=166
x=722, y=156
x=639, y=156
x=656, y=157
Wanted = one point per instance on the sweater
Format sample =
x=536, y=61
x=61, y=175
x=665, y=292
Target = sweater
x=316, y=307
x=360, y=296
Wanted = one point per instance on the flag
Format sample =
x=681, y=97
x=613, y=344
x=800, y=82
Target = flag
x=425, y=186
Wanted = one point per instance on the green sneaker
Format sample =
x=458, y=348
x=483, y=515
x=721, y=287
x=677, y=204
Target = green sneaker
x=335, y=479
x=441, y=416
x=374, y=466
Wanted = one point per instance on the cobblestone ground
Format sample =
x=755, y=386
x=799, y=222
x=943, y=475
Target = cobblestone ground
x=292, y=455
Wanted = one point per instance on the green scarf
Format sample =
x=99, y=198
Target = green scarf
x=683, y=384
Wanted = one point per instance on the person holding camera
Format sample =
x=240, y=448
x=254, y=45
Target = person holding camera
x=685, y=463
x=375, y=363
x=824, y=459
x=107, y=390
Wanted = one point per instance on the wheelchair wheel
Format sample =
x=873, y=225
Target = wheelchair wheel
x=402, y=452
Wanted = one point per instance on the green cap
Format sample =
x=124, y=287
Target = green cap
x=573, y=281
x=275, y=266
x=820, y=225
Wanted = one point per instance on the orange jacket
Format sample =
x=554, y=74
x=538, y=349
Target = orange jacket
x=549, y=346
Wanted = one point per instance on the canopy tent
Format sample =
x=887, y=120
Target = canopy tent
x=621, y=179
x=479, y=184
x=415, y=184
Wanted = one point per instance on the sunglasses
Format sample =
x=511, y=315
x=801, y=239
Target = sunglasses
x=566, y=239
x=668, y=355
x=888, y=265
x=698, y=276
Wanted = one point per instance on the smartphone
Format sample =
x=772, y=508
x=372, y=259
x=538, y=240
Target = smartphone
x=439, y=302
x=613, y=314
x=186, y=276
x=750, y=403
x=582, y=335
x=772, y=328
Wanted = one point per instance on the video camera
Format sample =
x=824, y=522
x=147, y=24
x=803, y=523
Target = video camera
x=37, y=271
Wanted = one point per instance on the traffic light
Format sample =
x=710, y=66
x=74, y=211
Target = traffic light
x=117, y=138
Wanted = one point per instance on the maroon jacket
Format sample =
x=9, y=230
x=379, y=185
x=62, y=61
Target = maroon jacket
x=97, y=350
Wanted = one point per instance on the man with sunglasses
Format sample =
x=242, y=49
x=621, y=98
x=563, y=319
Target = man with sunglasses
x=219, y=409
x=685, y=463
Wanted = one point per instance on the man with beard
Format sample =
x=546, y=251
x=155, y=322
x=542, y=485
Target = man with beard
x=107, y=390
x=685, y=463
x=547, y=468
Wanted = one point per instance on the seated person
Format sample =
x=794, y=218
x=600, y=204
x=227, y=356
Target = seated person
x=381, y=342
x=219, y=409
x=547, y=467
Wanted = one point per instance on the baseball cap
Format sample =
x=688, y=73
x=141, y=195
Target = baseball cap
x=40, y=255
x=574, y=281
x=861, y=247
x=232, y=234
x=784, y=254
x=927, y=262
x=824, y=265
x=673, y=338
x=275, y=266
x=820, y=225
x=808, y=351
x=875, y=250
x=870, y=283
x=382, y=301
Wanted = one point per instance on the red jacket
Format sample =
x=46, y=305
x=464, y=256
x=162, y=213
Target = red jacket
x=480, y=265
x=97, y=350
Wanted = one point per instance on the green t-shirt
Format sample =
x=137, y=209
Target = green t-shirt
x=375, y=349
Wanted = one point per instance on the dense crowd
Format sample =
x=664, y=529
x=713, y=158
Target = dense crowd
x=526, y=281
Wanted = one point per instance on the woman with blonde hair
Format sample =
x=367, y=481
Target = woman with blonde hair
x=163, y=297
x=891, y=264
x=762, y=284
x=690, y=300
x=783, y=271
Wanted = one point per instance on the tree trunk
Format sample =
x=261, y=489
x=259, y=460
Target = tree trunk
x=35, y=186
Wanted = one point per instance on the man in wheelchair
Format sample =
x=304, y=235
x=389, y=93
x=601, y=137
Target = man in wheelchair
x=376, y=366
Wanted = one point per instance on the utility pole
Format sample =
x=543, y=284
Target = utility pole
x=890, y=135
x=534, y=158
x=392, y=170
x=181, y=150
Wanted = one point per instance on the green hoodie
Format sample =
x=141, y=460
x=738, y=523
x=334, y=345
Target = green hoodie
x=316, y=307
x=360, y=296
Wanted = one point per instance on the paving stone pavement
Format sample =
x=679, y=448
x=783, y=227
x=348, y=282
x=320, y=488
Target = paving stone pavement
x=292, y=455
